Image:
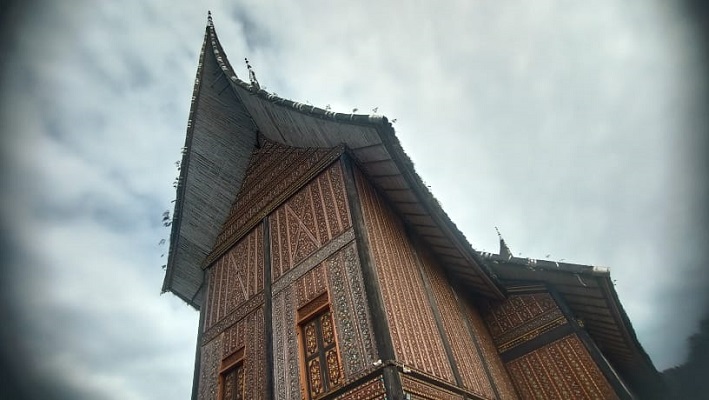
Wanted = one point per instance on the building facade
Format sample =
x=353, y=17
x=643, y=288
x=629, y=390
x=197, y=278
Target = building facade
x=323, y=268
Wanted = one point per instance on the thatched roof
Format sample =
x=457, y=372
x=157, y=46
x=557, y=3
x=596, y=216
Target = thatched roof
x=226, y=116
x=590, y=294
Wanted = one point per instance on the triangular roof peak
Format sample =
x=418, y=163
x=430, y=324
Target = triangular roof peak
x=504, y=249
x=228, y=114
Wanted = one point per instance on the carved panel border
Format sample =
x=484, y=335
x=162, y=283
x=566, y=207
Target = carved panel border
x=423, y=390
x=560, y=370
x=355, y=333
x=373, y=389
x=319, y=256
x=246, y=308
x=210, y=361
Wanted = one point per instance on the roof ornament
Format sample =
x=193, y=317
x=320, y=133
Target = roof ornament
x=252, y=76
x=209, y=18
x=504, y=250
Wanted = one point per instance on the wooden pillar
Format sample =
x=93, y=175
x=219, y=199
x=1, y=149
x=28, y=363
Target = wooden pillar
x=385, y=346
x=268, y=309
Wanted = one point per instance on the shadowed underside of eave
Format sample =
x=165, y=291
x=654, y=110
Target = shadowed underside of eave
x=226, y=116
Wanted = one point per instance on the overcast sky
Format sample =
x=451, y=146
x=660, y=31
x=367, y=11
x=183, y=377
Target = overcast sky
x=572, y=126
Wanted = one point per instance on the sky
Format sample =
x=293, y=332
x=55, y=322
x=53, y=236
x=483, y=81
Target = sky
x=575, y=128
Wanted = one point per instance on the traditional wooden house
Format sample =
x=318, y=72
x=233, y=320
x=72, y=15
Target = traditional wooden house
x=324, y=269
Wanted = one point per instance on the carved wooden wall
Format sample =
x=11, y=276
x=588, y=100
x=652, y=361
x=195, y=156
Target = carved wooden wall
x=309, y=219
x=338, y=278
x=210, y=361
x=371, y=390
x=480, y=368
x=245, y=336
x=314, y=254
x=236, y=277
x=560, y=370
x=521, y=318
x=274, y=172
x=234, y=319
x=414, y=334
x=545, y=357
x=500, y=376
x=420, y=390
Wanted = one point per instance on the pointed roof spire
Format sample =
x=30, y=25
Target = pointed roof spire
x=209, y=18
x=504, y=250
x=252, y=76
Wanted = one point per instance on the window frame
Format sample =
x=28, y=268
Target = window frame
x=313, y=311
x=234, y=362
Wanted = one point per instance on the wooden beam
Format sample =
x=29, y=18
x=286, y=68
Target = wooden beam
x=268, y=310
x=380, y=324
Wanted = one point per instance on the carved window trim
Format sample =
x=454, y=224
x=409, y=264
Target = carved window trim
x=232, y=367
x=319, y=350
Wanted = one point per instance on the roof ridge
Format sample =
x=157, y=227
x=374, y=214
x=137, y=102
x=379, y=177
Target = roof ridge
x=308, y=109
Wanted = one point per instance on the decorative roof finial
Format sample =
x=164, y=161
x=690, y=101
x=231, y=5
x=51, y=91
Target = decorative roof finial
x=209, y=17
x=504, y=250
x=252, y=76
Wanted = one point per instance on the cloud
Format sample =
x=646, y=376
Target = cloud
x=564, y=125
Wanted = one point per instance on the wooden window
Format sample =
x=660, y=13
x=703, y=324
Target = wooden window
x=323, y=371
x=232, y=385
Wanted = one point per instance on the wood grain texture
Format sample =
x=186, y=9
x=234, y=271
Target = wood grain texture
x=521, y=318
x=371, y=390
x=337, y=278
x=308, y=220
x=412, y=326
x=210, y=361
x=236, y=277
x=500, y=376
x=560, y=370
x=470, y=363
x=274, y=173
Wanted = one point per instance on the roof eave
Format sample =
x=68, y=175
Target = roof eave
x=180, y=190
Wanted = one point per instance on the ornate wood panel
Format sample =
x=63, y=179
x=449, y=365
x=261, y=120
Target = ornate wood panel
x=312, y=217
x=500, y=376
x=424, y=391
x=415, y=336
x=236, y=277
x=286, y=302
x=210, y=359
x=275, y=170
x=521, y=318
x=469, y=362
x=560, y=370
x=339, y=278
x=349, y=303
x=285, y=347
x=374, y=389
x=234, y=384
x=249, y=333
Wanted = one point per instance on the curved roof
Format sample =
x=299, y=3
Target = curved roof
x=227, y=114
x=590, y=294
